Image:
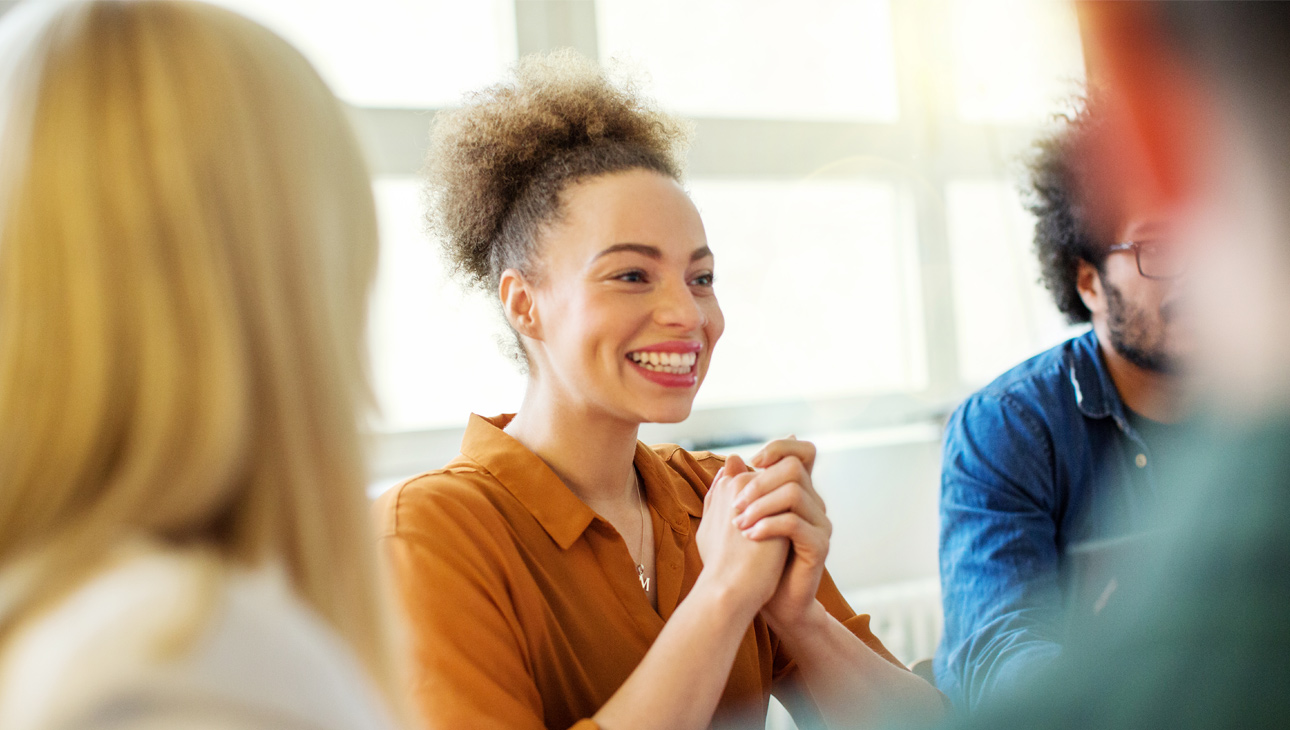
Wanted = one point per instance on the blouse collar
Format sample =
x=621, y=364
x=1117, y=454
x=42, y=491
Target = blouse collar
x=550, y=501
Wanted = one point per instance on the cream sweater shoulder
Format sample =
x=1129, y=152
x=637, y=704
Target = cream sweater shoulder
x=159, y=640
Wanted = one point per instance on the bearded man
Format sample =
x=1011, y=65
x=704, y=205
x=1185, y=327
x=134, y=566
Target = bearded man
x=1057, y=457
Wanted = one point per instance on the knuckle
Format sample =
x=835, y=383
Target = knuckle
x=797, y=467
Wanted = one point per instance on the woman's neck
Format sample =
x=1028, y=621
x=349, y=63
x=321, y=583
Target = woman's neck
x=592, y=453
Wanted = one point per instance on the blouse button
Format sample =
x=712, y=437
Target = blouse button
x=1141, y=461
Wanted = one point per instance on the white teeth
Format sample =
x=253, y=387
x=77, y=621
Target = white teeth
x=678, y=363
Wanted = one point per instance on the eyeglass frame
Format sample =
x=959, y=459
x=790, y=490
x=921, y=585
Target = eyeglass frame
x=1136, y=248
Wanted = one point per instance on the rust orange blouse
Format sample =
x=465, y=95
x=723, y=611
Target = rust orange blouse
x=524, y=606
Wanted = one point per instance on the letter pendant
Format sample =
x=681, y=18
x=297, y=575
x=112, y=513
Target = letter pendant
x=640, y=572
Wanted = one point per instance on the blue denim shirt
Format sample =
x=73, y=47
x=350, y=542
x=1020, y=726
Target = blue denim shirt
x=1035, y=463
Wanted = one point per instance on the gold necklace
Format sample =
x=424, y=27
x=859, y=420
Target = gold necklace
x=640, y=548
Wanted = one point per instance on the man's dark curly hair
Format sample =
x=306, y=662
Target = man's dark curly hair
x=1064, y=232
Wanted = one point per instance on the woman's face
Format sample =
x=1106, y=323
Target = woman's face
x=624, y=310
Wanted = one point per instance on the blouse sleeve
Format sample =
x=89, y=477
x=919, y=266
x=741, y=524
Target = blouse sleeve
x=470, y=666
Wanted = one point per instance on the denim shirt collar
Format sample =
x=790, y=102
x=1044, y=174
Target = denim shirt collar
x=1095, y=393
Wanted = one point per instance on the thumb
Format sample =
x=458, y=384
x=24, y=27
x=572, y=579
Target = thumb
x=707, y=496
x=734, y=466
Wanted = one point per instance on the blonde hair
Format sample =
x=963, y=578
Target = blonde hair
x=187, y=243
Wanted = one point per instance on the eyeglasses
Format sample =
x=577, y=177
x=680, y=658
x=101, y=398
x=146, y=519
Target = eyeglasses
x=1156, y=260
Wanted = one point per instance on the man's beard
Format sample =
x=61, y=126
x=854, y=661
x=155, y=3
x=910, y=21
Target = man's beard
x=1131, y=334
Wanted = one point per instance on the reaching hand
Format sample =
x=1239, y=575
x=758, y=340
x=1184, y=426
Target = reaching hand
x=749, y=570
x=780, y=502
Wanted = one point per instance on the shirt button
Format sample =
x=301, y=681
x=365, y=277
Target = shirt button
x=1141, y=461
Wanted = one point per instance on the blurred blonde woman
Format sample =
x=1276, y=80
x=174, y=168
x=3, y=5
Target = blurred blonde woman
x=187, y=241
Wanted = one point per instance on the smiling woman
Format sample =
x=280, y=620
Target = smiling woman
x=559, y=572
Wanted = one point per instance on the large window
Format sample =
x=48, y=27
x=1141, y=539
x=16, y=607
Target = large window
x=1013, y=59
x=758, y=59
x=436, y=354
x=819, y=282
x=855, y=165
x=1000, y=320
x=396, y=53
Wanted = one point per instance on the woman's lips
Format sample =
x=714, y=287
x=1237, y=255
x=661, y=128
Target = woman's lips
x=686, y=379
x=670, y=364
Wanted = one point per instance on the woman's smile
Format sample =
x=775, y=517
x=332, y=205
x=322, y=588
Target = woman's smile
x=670, y=364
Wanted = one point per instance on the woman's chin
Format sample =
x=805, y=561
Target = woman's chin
x=668, y=414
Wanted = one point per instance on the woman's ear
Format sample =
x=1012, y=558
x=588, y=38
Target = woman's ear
x=519, y=305
x=1089, y=285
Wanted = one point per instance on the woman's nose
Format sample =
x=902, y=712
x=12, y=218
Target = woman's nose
x=677, y=307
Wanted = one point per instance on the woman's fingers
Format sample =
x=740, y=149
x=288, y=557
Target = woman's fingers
x=734, y=466
x=723, y=492
x=791, y=497
x=806, y=538
x=789, y=469
x=780, y=449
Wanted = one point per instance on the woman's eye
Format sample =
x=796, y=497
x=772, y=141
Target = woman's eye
x=703, y=280
x=632, y=277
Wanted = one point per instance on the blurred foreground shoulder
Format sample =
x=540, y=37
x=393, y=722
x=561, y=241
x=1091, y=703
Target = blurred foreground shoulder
x=170, y=638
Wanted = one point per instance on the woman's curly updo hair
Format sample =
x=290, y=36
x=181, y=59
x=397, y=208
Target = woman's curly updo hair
x=498, y=165
x=1065, y=233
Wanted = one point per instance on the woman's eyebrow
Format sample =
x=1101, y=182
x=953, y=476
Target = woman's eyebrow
x=640, y=248
x=650, y=251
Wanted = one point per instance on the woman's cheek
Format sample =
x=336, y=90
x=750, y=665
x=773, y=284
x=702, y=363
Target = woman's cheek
x=716, y=323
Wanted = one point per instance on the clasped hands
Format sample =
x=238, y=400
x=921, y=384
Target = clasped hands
x=766, y=531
